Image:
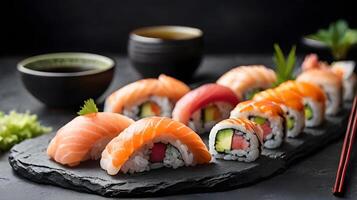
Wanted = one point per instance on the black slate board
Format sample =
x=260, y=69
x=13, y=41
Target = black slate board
x=29, y=159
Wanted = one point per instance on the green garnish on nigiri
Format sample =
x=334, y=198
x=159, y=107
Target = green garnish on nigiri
x=284, y=66
x=88, y=107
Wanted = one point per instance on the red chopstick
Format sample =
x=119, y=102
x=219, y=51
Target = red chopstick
x=338, y=188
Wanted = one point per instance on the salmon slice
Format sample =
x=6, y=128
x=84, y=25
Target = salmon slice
x=288, y=98
x=85, y=137
x=146, y=131
x=304, y=89
x=130, y=94
x=264, y=106
x=244, y=78
x=199, y=98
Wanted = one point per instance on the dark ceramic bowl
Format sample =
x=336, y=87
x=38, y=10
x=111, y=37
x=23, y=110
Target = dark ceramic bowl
x=171, y=50
x=66, y=79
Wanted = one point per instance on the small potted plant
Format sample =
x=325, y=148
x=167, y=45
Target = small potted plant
x=338, y=38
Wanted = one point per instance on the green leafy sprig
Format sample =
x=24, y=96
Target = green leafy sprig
x=338, y=37
x=88, y=107
x=284, y=67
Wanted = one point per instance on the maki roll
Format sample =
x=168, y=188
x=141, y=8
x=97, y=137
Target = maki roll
x=268, y=115
x=245, y=81
x=85, y=137
x=205, y=106
x=349, y=79
x=236, y=139
x=292, y=105
x=152, y=143
x=147, y=97
x=313, y=99
x=330, y=83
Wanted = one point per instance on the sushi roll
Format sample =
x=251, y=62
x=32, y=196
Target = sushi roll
x=152, y=143
x=245, y=81
x=292, y=105
x=147, y=97
x=313, y=99
x=268, y=115
x=85, y=137
x=349, y=79
x=236, y=139
x=330, y=83
x=205, y=106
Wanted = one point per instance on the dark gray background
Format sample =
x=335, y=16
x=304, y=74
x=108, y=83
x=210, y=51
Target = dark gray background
x=230, y=26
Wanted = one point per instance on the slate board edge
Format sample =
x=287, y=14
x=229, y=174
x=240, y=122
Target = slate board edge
x=234, y=181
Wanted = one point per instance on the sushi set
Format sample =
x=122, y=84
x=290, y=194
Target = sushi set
x=159, y=137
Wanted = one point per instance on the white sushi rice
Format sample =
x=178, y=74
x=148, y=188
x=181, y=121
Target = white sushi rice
x=318, y=112
x=176, y=155
x=333, y=98
x=299, y=121
x=248, y=155
x=276, y=137
x=163, y=102
x=197, y=124
x=349, y=87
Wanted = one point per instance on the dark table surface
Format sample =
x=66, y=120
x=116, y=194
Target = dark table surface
x=310, y=178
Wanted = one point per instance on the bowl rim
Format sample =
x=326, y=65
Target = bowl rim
x=134, y=35
x=21, y=66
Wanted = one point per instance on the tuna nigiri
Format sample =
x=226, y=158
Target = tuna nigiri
x=268, y=115
x=151, y=143
x=147, y=97
x=85, y=137
x=203, y=107
x=245, y=81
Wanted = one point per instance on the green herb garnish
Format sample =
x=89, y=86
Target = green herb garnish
x=16, y=127
x=88, y=107
x=338, y=37
x=284, y=67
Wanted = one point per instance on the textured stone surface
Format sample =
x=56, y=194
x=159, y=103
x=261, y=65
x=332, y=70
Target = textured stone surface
x=29, y=159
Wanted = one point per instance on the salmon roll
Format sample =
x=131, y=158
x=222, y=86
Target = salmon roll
x=85, y=137
x=330, y=83
x=205, y=106
x=245, y=81
x=152, y=143
x=236, y=139
x=268, y=115
x=345, y=69
x=292, y=105
x=147, y=97
x=313, y=100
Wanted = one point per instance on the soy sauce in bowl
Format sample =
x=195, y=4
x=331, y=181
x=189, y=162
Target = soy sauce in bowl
x=66, y=79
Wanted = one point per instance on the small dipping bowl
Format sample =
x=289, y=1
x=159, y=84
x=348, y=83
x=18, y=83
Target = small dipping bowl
x=170, y=50
x=66, y=79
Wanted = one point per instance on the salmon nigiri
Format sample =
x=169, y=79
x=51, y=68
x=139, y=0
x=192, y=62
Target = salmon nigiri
x=151, y=143
x=245, y=81
x=147, y=97
x=203, y=107
x=268, y=115
x=85, y=137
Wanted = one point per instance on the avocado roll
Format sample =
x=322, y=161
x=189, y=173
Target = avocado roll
x=236, y=139
x=268, y=115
